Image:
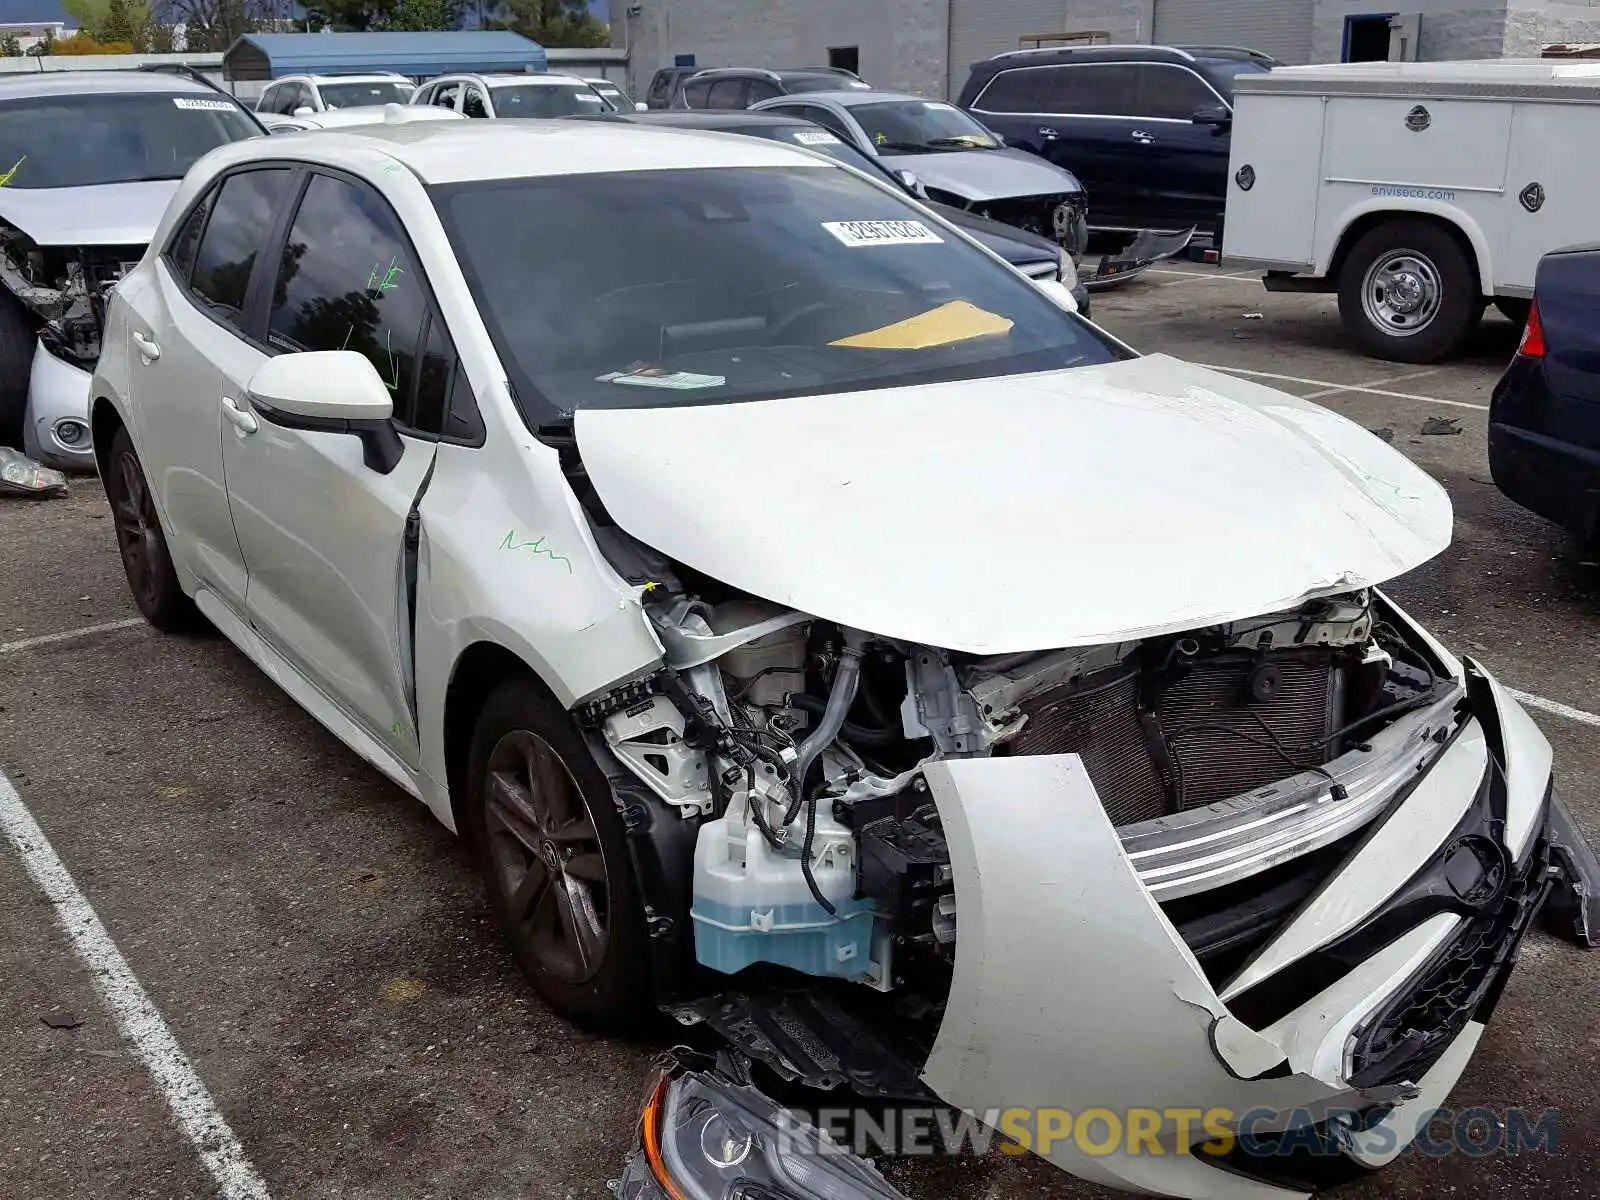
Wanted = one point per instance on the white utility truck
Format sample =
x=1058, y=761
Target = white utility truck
x=1420, y=192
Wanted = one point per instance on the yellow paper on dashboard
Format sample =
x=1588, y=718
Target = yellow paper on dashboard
x=956, y=321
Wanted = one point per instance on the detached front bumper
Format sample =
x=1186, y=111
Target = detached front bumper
x=1368, y=997
x=55, y=428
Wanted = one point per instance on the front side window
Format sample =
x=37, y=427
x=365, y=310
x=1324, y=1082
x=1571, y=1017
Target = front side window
x=695, y=93
x=920, y=127
x=759, y=90
x=547, y=100
x=445, y=97
x=83, y=140
x=650, y=288
x=472, y=103
x=727, y=94
x=355, y=95
x=1222, y=74
x=347, y=281
x=245, y=210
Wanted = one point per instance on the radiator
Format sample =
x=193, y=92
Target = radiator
x=1202, y=742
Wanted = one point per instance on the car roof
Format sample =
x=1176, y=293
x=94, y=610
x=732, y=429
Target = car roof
x=495, y=79
x=443, y=152
x=1195, y=55
x=850, y=99
x=350, y=77
x=81, y=83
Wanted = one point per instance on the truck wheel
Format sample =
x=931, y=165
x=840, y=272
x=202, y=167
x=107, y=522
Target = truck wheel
x=1514, y=309
x=16, y=364
x=1408, y=293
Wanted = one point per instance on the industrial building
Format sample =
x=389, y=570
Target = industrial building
x=926, y=46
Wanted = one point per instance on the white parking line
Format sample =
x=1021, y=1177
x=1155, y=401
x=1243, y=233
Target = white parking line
x=1556, y=708
x=1333, y=387
x=1328, y=391
x=191, y=1104
x=1252, y=277
x=69, y=635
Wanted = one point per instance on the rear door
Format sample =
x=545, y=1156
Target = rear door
x=186, y=321
x=322, y=533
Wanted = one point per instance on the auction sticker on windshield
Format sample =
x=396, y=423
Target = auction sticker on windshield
x=814, y=137
x=208, y=105
x=659, y=377
x=881, y=233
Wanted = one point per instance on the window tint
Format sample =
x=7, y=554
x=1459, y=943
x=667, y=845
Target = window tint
x=433, y=379
x=472, y=104
x=347, y=282
x=1016, y=91
x=181, y=251
x=1167, y=91
x=727, y=93
x=694, y=94
x=761, y=90
x=241, y=220
x=268, y=100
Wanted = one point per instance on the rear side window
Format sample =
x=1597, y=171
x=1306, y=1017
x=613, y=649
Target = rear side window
x=1169, y=92
x=347, y=281
x=241, y=219
x=761, y=90
x=1016, y=91
x=184, y=245
x=1078, y=89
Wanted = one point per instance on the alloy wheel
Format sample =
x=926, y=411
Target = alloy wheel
x=546, y=857
x=138, y=531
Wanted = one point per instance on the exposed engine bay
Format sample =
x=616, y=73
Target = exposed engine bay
x=797, y=747
x=66, y=288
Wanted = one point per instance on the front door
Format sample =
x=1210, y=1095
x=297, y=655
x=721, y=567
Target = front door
x=324, y=534
x=1180, y=170
x=185, y=321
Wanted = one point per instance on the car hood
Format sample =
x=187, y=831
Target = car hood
x=986, y=174
x=109, y=214
x=1073, y=507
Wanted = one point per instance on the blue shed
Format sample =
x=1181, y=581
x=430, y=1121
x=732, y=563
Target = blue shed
x=260, y=56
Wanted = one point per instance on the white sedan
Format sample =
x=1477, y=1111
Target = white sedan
x=762, y=574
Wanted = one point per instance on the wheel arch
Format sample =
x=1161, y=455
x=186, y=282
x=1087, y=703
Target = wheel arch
x=104, y=422
x=1364, y=218
x=479, y=669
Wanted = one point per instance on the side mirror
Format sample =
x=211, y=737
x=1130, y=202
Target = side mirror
x=640, y=106
x=305, y=110
x=330, y=391
x=909, y=181
x=1218, y=116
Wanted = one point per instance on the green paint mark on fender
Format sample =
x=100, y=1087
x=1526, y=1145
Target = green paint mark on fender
x=537, y=546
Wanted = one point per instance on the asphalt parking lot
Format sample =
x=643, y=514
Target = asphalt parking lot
x=320, y=950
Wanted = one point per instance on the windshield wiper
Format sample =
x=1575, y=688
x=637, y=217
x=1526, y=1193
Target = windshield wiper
x=900, y=147
x=967, y=141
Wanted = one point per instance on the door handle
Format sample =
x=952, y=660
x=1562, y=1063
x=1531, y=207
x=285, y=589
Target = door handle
x=244, y=422
x=147, y=348
x=1142, y=137
x=1046, y=132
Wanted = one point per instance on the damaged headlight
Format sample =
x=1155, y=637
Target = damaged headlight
x=711, y=1135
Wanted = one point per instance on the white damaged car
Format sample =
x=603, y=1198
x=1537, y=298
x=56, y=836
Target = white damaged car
x=825, y=637
x=88, y=162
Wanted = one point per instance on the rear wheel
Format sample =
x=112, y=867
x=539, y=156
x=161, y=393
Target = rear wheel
x=1408, y=293
x=145, y=559
x=554, y=856
x=16, y=363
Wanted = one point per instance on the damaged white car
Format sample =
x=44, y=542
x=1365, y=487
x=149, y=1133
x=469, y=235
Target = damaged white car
x=829, y=640
x=88, y=162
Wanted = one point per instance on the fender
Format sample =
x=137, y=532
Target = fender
x=1403, y=205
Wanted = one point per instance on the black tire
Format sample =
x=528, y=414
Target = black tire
x=143, y=544
x=1514, y=309
x=16, y=365
x=604, y=985
x=1440, y=266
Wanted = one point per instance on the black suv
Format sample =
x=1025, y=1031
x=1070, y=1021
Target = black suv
x=1146, y=128
x=740, y=87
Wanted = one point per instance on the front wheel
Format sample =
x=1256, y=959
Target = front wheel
x=1408, y=292
x=554, y=857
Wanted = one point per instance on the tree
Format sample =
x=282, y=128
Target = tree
x=83, y=43
x=109, y=21
x=363, y=15
x=10, y=46
x=554, y=22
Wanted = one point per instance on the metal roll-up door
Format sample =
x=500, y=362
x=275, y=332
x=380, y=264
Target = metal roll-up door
x=1281, y=28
